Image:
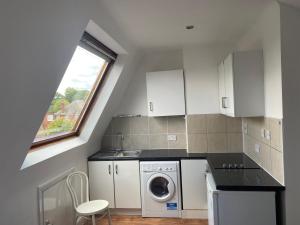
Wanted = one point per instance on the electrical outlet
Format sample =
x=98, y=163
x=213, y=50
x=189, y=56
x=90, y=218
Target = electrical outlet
x=257, y=148
x=268, y=135
x=263, y=133
x=172, y=137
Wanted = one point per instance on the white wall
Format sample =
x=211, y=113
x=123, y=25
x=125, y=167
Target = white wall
x=265, y=34
x=201, y=77
x=290, y=36
x=39, y=38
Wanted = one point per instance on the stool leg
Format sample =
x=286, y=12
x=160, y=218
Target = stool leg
x=93, y=220
x=109, y=217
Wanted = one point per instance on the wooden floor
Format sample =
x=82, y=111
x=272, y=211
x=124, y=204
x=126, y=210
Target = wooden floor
x=138, y=220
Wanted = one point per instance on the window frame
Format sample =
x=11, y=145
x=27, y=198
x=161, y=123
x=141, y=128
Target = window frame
x=91, y=44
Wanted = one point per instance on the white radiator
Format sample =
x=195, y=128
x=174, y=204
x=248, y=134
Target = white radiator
x=55, y=204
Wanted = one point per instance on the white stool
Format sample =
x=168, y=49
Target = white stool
x=86, y=208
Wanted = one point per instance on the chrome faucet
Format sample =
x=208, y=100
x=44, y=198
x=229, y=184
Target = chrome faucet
x=120, y=140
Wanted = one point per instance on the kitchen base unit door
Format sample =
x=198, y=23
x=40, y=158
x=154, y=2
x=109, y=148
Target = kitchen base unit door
x=127, y=184
x=194, y=192
x=101, y=178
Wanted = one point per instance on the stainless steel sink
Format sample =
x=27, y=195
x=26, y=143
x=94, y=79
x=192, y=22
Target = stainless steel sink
x=129, y=153
x=107, y=154
x=119, y=153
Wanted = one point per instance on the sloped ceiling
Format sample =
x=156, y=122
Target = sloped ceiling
x=38, y=40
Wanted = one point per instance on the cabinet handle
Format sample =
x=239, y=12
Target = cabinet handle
x=151, y=106
x=109, y=169
x=224, y=103
x=117, y=170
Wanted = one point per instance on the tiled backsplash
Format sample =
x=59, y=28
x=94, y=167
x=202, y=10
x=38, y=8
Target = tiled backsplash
x=206, y=133
x=263, y=143
x=214, y=133
x=146, y=133
x=203, y=133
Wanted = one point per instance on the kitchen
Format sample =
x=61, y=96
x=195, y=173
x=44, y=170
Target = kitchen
x=159, y=113
x=192, y=117
x=213, y=164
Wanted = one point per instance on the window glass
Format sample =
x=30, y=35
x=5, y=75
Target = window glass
x=73, y=95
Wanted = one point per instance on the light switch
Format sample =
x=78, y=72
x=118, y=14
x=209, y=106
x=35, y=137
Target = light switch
x=172, y=137
x=257, y=148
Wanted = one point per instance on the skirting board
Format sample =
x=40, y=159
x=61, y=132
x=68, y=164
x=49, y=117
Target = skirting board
x=128, y=212
x=194, y=214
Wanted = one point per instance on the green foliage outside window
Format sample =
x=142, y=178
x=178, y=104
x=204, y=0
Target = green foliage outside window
x=60, y=125
x=72, y=94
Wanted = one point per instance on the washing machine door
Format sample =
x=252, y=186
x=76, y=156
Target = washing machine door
x=160, y=187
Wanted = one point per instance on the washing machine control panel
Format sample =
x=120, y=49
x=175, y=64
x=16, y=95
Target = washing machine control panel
x=159, y=168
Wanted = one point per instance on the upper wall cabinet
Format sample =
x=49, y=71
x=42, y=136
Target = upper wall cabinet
x=165, y=93
x=241, y=84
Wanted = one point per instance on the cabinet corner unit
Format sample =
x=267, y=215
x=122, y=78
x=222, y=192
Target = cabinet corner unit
x=241, y=84
x=165, y=93
x=118, y=182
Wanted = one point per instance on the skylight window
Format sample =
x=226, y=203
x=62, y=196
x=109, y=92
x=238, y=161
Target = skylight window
x=76, y=92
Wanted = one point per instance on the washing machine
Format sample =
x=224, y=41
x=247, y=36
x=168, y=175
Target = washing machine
x=160, y=189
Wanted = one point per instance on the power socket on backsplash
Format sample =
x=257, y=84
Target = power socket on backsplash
x=267, y=134
x=172, y=137
x=263, y=133
x=257, y=148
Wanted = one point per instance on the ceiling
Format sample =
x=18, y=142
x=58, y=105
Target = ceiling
x=161, y=23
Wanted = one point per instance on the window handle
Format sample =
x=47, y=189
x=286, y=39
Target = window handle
x=151, y=106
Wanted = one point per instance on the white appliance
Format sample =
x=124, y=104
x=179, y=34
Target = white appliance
x=160, y=189
x=212, y=196
x=239, y=207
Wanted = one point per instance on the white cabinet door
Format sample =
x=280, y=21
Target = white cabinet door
x=165, y=93
x=101, y=181
x=194, y=190
x=229, y=85
x=243, y=78
x=222, y=93
x=127, y=184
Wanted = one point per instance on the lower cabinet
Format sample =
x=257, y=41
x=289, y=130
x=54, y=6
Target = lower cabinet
x=115, y=181
x=101, y=180
x=194, y=191
x=127, y=184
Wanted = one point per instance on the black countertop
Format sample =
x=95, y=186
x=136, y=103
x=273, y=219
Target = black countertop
x=153, y=155
x=251, y=178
